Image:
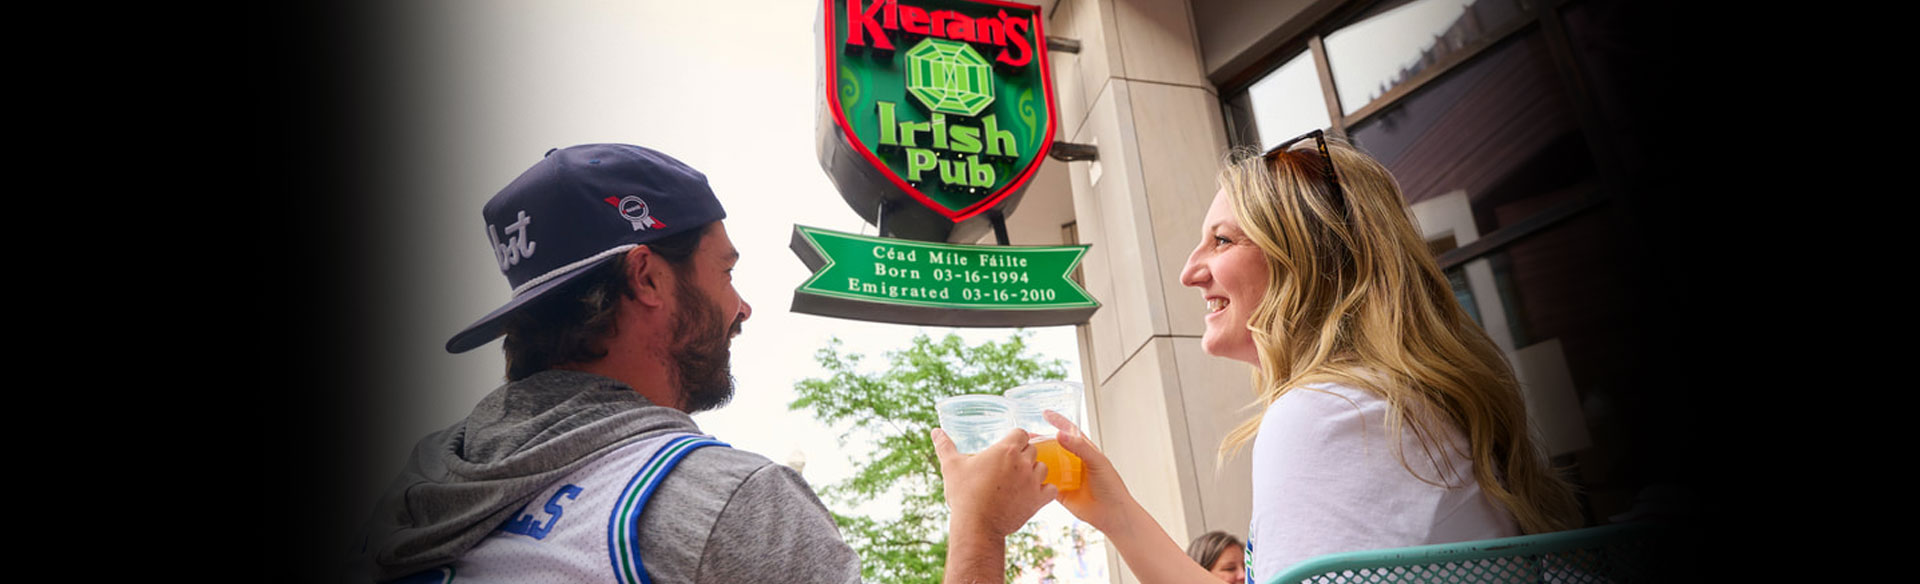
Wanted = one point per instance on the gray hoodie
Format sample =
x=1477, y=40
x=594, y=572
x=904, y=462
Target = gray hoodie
x=723, y=515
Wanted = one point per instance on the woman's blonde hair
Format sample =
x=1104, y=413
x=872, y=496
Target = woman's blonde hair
x=1355, y=297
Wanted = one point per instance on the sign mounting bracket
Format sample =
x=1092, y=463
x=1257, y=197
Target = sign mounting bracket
x=1069, y=152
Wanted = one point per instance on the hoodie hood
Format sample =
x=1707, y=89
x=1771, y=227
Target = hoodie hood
x=462, y=482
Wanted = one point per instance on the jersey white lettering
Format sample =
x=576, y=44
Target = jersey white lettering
x=531, y=526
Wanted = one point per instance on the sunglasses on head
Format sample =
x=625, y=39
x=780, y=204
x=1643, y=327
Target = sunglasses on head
x=1319, y=139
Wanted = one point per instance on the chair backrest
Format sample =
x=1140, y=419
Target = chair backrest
x=1615, y=554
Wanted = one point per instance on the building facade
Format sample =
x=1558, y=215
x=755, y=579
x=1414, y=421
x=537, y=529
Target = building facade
x=1519, y=131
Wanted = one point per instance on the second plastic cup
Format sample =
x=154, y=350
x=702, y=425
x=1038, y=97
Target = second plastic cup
x=1064, y=470
x=975, y=422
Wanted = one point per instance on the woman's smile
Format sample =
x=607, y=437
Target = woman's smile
x=1231, y=273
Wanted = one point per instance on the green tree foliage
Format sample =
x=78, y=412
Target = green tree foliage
x=893, y=410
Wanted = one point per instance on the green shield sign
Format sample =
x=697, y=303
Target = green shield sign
x=932, y=112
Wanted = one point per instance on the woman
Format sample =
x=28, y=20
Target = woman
x=1391, y=419
x=1219, y=552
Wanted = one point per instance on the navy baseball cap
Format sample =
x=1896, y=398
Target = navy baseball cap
x=578, y=208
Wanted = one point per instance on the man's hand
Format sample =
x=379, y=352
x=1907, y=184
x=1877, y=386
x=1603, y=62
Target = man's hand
x=996, y=490
x=991, y=495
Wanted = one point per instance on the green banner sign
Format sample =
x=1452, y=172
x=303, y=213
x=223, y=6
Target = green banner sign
x=918, y=282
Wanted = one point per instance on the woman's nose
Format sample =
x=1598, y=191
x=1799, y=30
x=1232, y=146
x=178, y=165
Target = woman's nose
x=1195, y=272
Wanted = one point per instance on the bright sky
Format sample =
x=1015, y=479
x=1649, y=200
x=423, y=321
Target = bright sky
x=486, y=87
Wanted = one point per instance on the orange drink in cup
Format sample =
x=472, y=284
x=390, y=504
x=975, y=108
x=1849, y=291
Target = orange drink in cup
x=1064, y=470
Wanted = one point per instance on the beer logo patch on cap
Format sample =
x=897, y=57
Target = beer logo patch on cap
x=636, y=212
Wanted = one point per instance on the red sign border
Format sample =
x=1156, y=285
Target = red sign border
x=1040, y=156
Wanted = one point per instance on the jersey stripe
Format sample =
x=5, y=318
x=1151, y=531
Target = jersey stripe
x=623, y=536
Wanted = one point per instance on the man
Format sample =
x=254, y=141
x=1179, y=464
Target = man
x=585, y=466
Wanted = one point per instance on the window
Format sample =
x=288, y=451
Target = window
x=1288, y=102
x=1396, y=42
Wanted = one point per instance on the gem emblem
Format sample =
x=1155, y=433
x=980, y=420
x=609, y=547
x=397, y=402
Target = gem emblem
x=949, y=77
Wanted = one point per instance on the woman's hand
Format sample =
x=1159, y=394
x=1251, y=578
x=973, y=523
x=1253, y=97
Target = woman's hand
x=994, y=492
x=1103, y=502
x=1102, y=499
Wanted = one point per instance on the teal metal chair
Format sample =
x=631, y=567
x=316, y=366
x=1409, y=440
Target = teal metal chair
x=1615, y=554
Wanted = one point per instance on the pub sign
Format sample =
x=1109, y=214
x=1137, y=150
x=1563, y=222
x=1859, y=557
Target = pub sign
x=932, y=112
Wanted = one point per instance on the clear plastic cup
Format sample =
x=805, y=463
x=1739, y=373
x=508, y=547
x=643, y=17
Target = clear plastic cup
x=1064, y=470
x=975, y=421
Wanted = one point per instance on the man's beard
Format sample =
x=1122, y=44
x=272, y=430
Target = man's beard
x=702, y=354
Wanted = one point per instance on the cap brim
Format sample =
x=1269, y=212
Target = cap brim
x=491, y=326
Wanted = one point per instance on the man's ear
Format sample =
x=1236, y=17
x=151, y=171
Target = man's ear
x=647, y=275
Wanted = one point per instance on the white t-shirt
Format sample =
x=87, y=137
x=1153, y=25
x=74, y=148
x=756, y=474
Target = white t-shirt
x=1326, y=479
